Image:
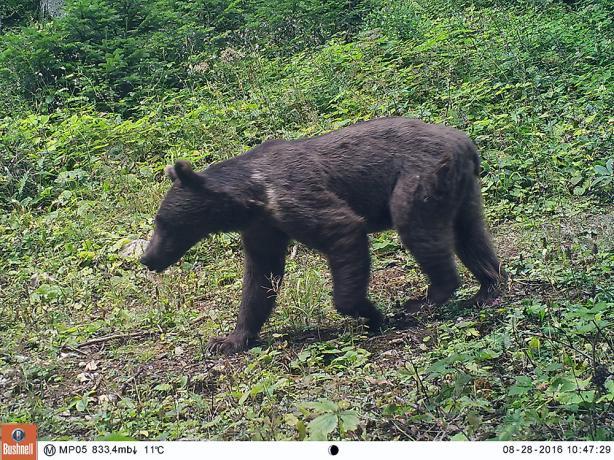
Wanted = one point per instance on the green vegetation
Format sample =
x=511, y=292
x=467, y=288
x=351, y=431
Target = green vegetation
x=96, y=102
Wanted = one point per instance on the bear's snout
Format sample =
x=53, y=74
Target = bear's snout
x=158, y=260
x=151, y=264
x=145, y=261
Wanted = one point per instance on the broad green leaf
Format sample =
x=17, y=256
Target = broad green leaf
x=322, y=405
x=348, y=420
x=321, y=426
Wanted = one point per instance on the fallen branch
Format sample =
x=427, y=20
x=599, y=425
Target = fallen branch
x=107, y=338
x=199, y=319
x=73, y=350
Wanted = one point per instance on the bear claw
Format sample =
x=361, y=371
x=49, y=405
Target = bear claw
x=232, y=343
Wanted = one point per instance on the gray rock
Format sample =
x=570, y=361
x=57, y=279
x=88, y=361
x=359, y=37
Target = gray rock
x=134, y=249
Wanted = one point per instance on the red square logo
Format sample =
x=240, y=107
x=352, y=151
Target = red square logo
x=18, y=441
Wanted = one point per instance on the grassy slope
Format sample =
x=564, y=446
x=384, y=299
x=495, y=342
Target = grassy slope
x=529, y=84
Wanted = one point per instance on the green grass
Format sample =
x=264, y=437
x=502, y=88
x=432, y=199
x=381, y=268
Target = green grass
x=529, y=81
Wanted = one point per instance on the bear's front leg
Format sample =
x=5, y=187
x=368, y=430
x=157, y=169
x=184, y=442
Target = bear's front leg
x=265, y=252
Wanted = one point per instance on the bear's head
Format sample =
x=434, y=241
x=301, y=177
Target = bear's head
x=187, y=215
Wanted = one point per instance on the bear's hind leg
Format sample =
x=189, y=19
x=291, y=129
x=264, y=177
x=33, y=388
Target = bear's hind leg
x=474, y=247
x=432, y=249
x=425, y=227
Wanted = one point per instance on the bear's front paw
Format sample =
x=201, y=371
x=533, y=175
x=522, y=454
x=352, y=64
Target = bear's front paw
x=486, y=296
x=232, y=343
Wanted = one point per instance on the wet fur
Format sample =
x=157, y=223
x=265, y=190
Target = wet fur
x=329, y=192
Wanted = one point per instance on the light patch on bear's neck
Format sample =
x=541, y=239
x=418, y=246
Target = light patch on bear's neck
x=258, y=177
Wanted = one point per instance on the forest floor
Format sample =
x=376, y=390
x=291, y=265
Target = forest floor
x=439, y=374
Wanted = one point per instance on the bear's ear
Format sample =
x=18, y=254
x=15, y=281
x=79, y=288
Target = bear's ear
x=183, y=172
x=169, y=171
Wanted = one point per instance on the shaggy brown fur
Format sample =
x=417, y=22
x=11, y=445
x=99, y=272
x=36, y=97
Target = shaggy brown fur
x=329, y=192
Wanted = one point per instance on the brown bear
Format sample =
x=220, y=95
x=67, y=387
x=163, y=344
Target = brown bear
x=329, y=192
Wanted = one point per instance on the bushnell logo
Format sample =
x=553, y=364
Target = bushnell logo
x=18, y=441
